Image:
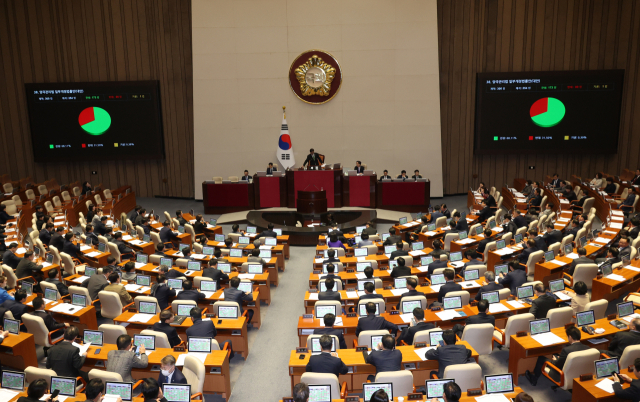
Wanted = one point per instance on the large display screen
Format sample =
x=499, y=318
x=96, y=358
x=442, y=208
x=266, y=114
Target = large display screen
x=95, y=120
x=551, y=112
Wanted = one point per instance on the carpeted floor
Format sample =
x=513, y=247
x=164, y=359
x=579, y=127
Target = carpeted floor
x=264, y=375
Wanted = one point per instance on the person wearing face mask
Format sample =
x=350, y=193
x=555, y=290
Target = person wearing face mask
x=169, y=374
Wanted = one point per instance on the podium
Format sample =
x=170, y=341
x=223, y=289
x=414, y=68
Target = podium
x=312, y=202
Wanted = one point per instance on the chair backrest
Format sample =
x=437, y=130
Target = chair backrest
x=371, y=250
x=115, y=253
x=504, y=293
x=110, y=303
x=441, y=221
x=599, y=308
x=30, y=194
x=533, y=224
x=42, y=189
x=12, y=279
x=364, y=339
x=465, y=375
x=472, y=229
x=464, y=295
x=515, y=324
x=423, y=336
x=155, y=238
x=155, y=259
x=18, y=201
x=194, y=372
x=534, y=258
x=104, y=375
x=402, y=381
x=585, y=273
x=575, y=365
x=408, y=260
x=147, y=299
x=521, y=230
x=588, y=203
x=162, y=341
x=330, y=303
x=310, y=339
x=35, y=326
x=67, y=264
x=175, y=303
x=140, y=231
x=11, y=207
x=189, y=229
x=566, y=240
x=79, y=290
x=507, y=237
x=182, y=262
x=323, y=379
x=629, y=355
x=111, y=332
x=339, y=251
x=421, y=299
x=337, y=285
x=479, y=336
x=66, y=196
x=448, y=238
x=490, y=246
x=52, y=286
x=34, y=373
x=559, y=317
x=555, y=247
x=7, y=187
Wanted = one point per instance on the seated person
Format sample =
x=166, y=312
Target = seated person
x=332, y=257
x=246, y=176
x=271, y=168
x=164, y=325
x=329, y=320
x=441, y=263
x=474, y=258
x=417, y=324
x=116, y=287
x=121, y=361
x=365, y=241
x=369, y=290
x=393, y=238
x=449, y=286
x=385, y=175
x=151, y=391
x=334, y=242
x=327, y=361
x=631, y=393
x=448, y=354
x=189, y=293
x=330, y=294
x=485, y=212
x=180, y=218
x=437, y=249
x=412, y=284
x=372, y=322
x=623, y=339
x=331, y=273
x=545, y=302
x=386, y=357
x=481, y=318
x=582, y=259
x=161, y=291
x=169, y=374
x=610, y=188
x=580, y=299
x=514, y=278
x=401, y=269
x=416, y=175
x=403, y=175
x=399, y=251
x=53, y=277
x=359, y=168
x=129, y=273
x=488, y=285
x=508, y=226
x=488, y=234
x=518, y=219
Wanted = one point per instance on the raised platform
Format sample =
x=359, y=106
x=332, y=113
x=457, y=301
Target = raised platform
x=305, y=235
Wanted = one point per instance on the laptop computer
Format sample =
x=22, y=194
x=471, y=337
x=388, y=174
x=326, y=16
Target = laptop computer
x=102, y=247
x=368, y=389
x=456, y=259
x=402, y=220
x=13, y=380
x=51, y=294
x=400, y=283
x=143, y=280
x=209, y=286
x=437, y=279
x=315, y=345
x=568, y=249
x=176, y=392
x=79, y=300
x=251, y=229
x=147, y=307
x=224, y=267
x=90, y=271
x=361, y=283
x=168, y=262
x=321, y=311
x=498, y=384
x=235, y=253
x=606, y=268
x=95, y=337
x=13, y=326
x=556, y=285
x=246, y=286
x=452, y=302
x=585, y=318
x=471, y=274
x=361, y=266
x=525, y=293
x=491, y=297
x=606, y=367
x=500, y=244
x=219, y=238
x=359, y=229
x=142, y=258
x=426, y=260
x=174, y=283
x=193, y=266
x=418, y=245
x=539, y=326
x=229, y=312
x=243, y=241
x=256, y=269
x=549, y=256
x=207, y=250
x=122, y=389
x=65, y=385
x=435, y=338
x=409, y=306
x=389, y=249
x=361, y=252
x=518, y=238
x=320, y=393
x=435, y=388
x=27, y=287
x=270, y=241
x=197, y=344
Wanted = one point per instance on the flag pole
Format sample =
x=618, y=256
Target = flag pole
x=283, y=111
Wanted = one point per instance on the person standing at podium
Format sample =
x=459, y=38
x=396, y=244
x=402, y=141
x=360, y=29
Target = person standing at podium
x=313, y=159
x=359, y=168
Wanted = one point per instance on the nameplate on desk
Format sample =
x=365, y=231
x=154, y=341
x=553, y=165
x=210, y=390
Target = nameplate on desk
x=414, y=396
x=474, y=391
x=351, y=289
x=426, y=284
x=394, y=312
x=436, y=308
x=586, y=377
x=473, y=303
x=302, y=350
x=210, y=315
x=178, y=348
x=612, y=317
x=350, y=271
x=409, y=366
x=520, y=334
x=420, y=345
x=457, y=280
x=388, y=287
x=351, y=314
x=307, y=315
x=316, y=272
x=313, y=290
x=353, y=399
x=381, y=268
x=362, y=349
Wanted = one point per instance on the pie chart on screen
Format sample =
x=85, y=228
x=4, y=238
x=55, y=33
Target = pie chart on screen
x=94, y=120
x=547, y=112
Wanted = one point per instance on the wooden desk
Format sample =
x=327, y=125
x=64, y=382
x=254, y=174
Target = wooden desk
x=19, y=351
x=610, y=290
x=227, y=197
x=84, y=318
x=464, y=397
x=408, y=196
x=359, y=370
x=270, y=191
x=524, y=350
x=359, y=191
x=586, y=391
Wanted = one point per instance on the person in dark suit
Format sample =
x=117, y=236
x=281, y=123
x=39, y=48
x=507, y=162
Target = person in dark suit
x=69, y=247
x=634, y=227
x=399, y=251
x=18, y=305
x=623, y=339
x=189, y=293
x=359, y=168
x=101, y=227
x=481, y=318
x=369, y=289
x=53, y=278
x=65, y=359
x=27, y=267
x=330, y=294
x=445, y=211
x=574, y=335
x=574, y=228
x=146, y=226
x=623, y=247
x=582, y=259
x=485, y=213
x=97, y=282
x=332, y=257
x=10, y=258
x=393, y=238
x=370, y=229
x=201, y=328
x=490, y=200
x=518, y=219
x=536, y=200
x=416, y=175
x=234, y=295
x=387, y=357
x=570, y=195
x=474, y=258
x=514, y=279
x=412, y=283
x=448, y=354
x=166, y=234
x=373, y=322
x=330, y=273
x=610, y=188
x=45, y=233
x=180, y=218
x=552, y=236
x=488, y=238
x=164, y=326
x=162, y=292
x=214, y=273
x=449, y=286
x=90, y=234
x=385, y=176
x=57, y=239
x=326, y=361
x=401, y=269
x=633, y=392
x=417, y=325
x=268, y=233
x=123, y=248
x=271, y=169
x=199, y=226
x=555, y=182
x=540, y=243
x=4, y=216
x=402, y=176
x=329, y=320
x=133, y=215
x=313, y=159
x=49, y=321
x=151, y=391
x=169, y=374
x=435, y=214
x=636, y=179
x=461, y=224
x=246, y=176
x=36, y=391
x=544, y=302
x=508, y=226
x=524, y=256
x=141, y=216
x=488, y=285
x=441, y=262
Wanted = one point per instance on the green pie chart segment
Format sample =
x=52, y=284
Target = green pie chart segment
x=547, y=112
x=94, y=120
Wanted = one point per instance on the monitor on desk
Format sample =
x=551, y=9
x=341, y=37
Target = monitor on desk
x=174, y=283
x=361, y=283
x=95, y=337
x=556, y=285
x=471, y=274
x=102, y=247
x=13, y=380
x=492, y=224
x=389, y=249
x=498, y=384
x=400, y=283
x=194, y=266
x=65, y=385
x=143, y=280
x=146, y=238
x=606, y=268
x=36, y=251
x=321, y=310
x=278, y=231
x=13, y=326
x=243, y=240
x=209, y=286
x=27, y=287
x=361, y=266
x=176, y=393
x=582, y=241
x=418, y=245
x=51, y=294
x=270, y=241
x=462, y=235
x=403, y=220
x=142, y=258
x=315, y=345
x=181, y=229
x=585, y=318
x=49, y=258
x=361, y=252
x=500, y=244
x=524, y=292
x=90, y=271
x=385, y=236
x=147, y=307
x=568, y=249
x=224, y=267
x=368, y=389
x=393, y=264
x=409, y=306
x=199, y=344
x=426, y=260
x=606, y=367
x=168, y=262
x=549, y=256
x=246, y=286
x=251, y=229
x=359, y=229
x=207, y=250
x=435, y=388
x=518, y=238
x=456, y=256
x=78, y=300
x=228, y=312
x=255, y=269
x=266, y=254
x=624, y=309
x=122, y=389
x=539, y=326
x=218, y=238
x=320, y=393
x=235, y=253
x=184, y=247
x=491, y=297
x=357, y=239
x=452, y=302
x=435, y=338
x=437, y=279
x=479, y=230
x=184, y=310
x=148, y=341
x=431, y=227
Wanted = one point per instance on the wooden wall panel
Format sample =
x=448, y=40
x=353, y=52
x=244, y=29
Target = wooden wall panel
x=532, y=35
x=99, y=40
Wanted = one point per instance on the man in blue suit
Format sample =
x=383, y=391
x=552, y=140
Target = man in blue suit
x=169, y=374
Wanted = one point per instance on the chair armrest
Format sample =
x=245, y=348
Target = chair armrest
x=355, y=343
x=84, y=384
x=403, y=343
x=95, y=301
x=197, y=395
x=552, y=367
x=502, y=333
x=168, y=308
x=631, y=294
x=127, y=306
x=567, y=276
x=343, y=390
x=51, y=341
x=482, y=385
x=27, y=277
x=393, y=308
x=434, y=376
x=604, y=356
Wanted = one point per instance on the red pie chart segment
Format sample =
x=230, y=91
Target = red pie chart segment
x=539, y=107
x=86, y=116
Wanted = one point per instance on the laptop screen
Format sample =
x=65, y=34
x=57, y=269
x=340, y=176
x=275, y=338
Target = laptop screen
x=583, y=241
x=418, y=245
x=224, y=267
x=568, y=249
x=403, y=220
x=265, y=254
x=176, y=393
x=13, y=326
x=78, y=300
x=385, y=236
x=389, y=249
x=426, y=260
x=143, y=258
x=359, y=229
x=251, y=229
x=209, y=286
x=585, y=318
x=321, y=311
x=362, y=282
x=500, y=244
x=435, y=388
x=230, y=312
x=147, y=307
x=246, y=287
x=167, y=262
x=235, y=252
x=148, y=341
x=491, y=297
x=219, y=238
x=431, y=227
x=184, y=247
x=89, y=271
x=361, y=252
x=320, y=393
x=471, y=275
x=360, y=266
x=409, y=306
x=49, y=257
x=400, y=283
x=95, y=337
x=501, y=383
x=270, y=241
x=437, y=279
x=363, y=309
x=255, y=269
x=462, y=235
x=539, y=326
x=102, y=247
x=121, y=389
x=435, y=338
x=66, y=385
x=549, y=256
x=315, y=345
x=393, y=264
x=452, y=302
x=174, y=283
x=625, y=309
x=194, y=266
x=181, y=229
x=456, y=256
x=184, y=310
x=556, y=285
x=606, y=268
x=199, y=344
x=478, y=230
x=606, y=367
x=518, y=238
x=13, y=380
x=143, y=280
x=50, y=294
x=369, y=389
x=27, y=287
x=213, y=222
x=278, y=231
x=207, y=250
x=525, y=292
x=243, y=240
x=501, y=269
